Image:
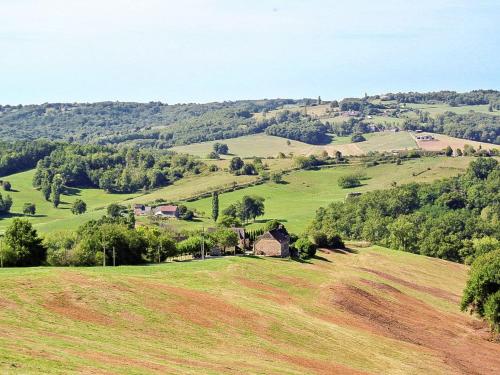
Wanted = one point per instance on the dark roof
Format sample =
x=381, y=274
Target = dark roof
x=276, y=234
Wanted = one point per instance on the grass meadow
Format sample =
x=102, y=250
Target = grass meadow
x=295, y=201
x=247, y=315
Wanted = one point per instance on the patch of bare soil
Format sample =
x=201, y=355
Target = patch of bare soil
x=203, y=309
x=436, y=292
x=119, y=360
x=266, y=291
x=317, y=366
x=65, y=304
x=461, y=346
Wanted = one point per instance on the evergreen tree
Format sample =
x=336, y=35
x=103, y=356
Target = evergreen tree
x=215, y=205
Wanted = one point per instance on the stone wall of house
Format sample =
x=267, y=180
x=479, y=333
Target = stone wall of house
x=285, y=251
x=268, y=247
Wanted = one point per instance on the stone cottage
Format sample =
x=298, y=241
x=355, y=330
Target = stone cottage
x=274, y=243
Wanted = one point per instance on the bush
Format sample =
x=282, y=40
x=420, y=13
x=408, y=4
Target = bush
x=358, y=137
x=349, y=181
x=328, y=240
x=6, y=186
x=305, y=247
x=213, y=155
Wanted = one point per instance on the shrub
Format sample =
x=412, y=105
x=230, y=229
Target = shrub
x=329, y=240
x=358, y=137
x=305, y=247
x=6, y=185
x=349, y=181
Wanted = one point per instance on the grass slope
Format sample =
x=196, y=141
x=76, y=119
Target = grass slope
x=296, y=201
x=370, y=312
x=47, y=217
x=265, y=145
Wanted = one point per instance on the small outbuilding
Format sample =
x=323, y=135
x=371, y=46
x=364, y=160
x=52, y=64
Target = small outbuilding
x=275, y=243
x=171, y=212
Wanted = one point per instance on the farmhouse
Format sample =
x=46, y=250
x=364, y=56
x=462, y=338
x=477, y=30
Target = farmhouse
x=142, y=210
x=275, y=243
x=171, y=212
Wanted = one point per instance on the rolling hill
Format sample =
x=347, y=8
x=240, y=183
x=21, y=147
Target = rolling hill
x=362, y=311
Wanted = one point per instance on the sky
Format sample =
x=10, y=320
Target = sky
x=214, y=50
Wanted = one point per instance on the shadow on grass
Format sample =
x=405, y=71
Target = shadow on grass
x=11, y=215
x=322, y=259
x=254, y=257
x=344, y=251
x=72, y=191
x=300, y=260
x=263, y=221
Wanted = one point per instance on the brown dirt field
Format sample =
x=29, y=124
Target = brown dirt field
x=319, y=367
x=436, y=292
x=409, y=320
x=64, y=304
x=442, y=141
x=203, y=309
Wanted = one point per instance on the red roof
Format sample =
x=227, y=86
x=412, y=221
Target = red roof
x=167, y=208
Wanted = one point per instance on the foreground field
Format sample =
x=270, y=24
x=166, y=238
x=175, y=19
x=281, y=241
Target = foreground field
x=296, y=201
x=370, y=311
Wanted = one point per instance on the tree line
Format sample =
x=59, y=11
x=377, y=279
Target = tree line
x=124, y=170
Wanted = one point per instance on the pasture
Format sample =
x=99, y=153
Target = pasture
x=295, y=201
x=437, y=109
x=362, y=311
x=48, y=218
x=269, y=146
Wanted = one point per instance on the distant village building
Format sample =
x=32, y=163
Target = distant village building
x=142, y=210
x=170, y=212
x=274, y=243
x=425, y=137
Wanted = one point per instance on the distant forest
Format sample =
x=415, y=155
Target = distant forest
x=159, y=125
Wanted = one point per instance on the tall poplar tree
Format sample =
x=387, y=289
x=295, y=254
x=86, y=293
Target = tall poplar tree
x=215, y=205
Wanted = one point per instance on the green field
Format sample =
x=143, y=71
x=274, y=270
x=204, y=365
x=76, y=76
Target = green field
x=436, y=109
x=296, y=201
x=377, y=311
x=47, y=217
x=387, y=141
x=269, y=146
x=293, y=202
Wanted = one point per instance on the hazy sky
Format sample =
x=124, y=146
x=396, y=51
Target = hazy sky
x=199, y=51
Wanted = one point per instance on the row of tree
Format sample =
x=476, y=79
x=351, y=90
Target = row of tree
x=124, y=170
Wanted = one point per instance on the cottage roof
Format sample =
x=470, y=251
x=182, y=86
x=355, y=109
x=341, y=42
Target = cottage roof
x=276, y=234
x=167, y=208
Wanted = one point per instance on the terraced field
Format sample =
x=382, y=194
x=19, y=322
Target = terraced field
x=366, y=311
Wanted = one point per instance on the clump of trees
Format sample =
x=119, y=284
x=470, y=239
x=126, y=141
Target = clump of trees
x=358, y=137
x=239, y=167
x=482, y=292
x=5, y=204
x=250, y=207
x=125, y=170
x=349, y=181
x=441, y=219
x=29, y=209
x=293, y=125
x=78, y=207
